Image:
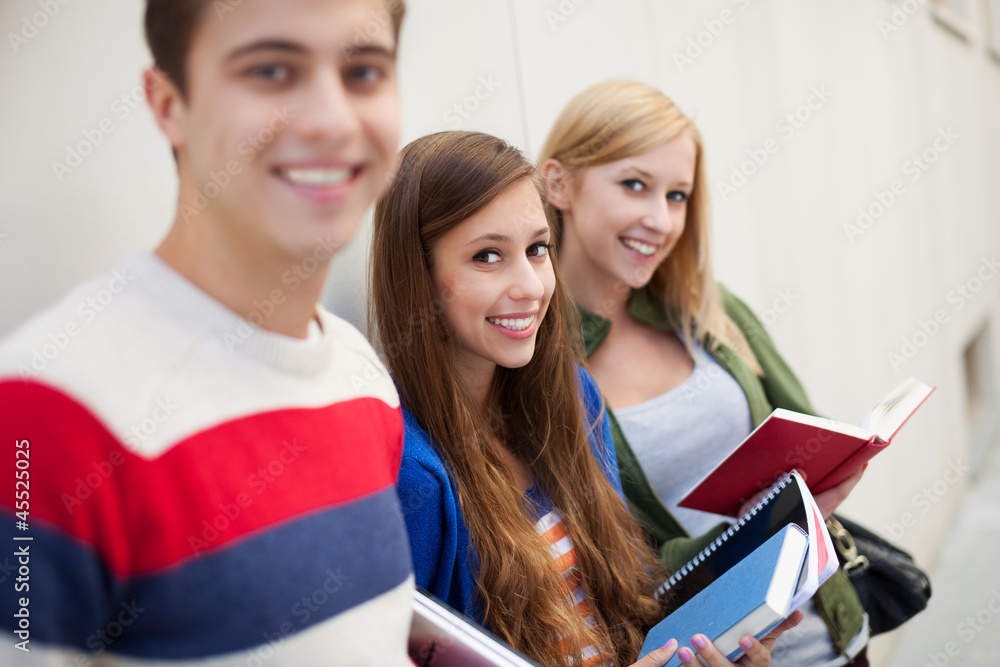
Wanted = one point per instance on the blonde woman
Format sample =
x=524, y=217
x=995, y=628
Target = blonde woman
x=686, y=369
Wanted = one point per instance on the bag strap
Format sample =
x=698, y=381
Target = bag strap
x=843, y=542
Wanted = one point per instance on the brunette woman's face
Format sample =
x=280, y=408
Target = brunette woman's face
x=494, y=276
x=622, y=219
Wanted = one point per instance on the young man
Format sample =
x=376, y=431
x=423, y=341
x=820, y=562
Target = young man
x=206, y=463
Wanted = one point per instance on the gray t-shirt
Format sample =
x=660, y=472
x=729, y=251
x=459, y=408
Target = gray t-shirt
x=678, y=437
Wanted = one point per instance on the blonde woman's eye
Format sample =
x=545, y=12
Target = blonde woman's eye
x=486, y=257
x=677, y=196
x=634, y=184
x=539, y=249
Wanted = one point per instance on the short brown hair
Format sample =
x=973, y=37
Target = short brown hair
x=170, y=27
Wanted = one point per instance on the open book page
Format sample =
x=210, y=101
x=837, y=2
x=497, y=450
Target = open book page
x=889, y=415
x=822, y=558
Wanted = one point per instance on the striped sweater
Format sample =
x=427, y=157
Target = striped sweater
x=554, y=533
x=197, y=489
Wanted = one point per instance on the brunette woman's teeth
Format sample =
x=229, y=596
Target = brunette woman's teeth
x=643, y=249
x=317, y=175
x=513, y=324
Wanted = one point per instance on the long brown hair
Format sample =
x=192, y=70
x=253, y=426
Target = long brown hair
x=613, y=120
x=536, y=410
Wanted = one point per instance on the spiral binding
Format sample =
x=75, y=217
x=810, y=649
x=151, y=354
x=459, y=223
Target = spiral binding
x=717, y=542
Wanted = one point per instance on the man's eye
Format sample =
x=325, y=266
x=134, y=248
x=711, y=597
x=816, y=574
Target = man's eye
x=271, y=73
x=634, y=184
x=539, y=249
x=486, y=257
x=365, y=74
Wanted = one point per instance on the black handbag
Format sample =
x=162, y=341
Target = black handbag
x=891, y=586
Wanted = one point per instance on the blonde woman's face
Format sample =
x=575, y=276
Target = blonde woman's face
x=493, y=274
x=622, y=219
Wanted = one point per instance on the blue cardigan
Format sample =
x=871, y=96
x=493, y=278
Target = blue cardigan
x=444, y=561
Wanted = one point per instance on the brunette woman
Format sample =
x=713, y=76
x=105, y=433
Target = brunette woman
x=509, y=480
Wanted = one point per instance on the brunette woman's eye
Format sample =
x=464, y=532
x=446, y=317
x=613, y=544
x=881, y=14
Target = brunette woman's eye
x=539, y=249
x=634, y=184
x=486, y=257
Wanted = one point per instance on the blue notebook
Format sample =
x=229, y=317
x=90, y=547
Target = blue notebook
x=788, y=502
x=752, y=597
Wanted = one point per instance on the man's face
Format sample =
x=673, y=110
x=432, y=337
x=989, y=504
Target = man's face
x=290, y=123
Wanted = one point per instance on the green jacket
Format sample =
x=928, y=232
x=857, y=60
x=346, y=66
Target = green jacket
x=836, y=600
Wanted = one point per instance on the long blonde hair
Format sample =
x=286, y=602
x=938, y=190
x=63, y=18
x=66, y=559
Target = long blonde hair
x=536, y=410
x=617, y=119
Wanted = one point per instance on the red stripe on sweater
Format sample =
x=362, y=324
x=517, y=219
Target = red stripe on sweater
x=209, y=489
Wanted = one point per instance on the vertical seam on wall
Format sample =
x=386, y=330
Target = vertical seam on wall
x=657, y=65
x=519, y=74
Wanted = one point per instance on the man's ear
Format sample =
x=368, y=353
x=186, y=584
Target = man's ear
x=167, y=105
x=558, y=182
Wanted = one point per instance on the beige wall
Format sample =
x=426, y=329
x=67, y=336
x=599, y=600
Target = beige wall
x=838, y=304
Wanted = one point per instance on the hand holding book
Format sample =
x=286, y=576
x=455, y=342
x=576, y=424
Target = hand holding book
x=757, y=652
x=830, y=452
x=828, y=501
x=752, y=576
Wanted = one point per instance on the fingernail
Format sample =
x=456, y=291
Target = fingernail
x=698, y=641
x=670, y=644
x=685, y=655
x=747, y=644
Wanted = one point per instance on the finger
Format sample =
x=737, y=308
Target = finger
x=757, y=654
x=793, y=619
x=709, y=654
x=659, y=657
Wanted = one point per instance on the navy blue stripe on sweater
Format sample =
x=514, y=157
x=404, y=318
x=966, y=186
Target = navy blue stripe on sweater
x=206, y=606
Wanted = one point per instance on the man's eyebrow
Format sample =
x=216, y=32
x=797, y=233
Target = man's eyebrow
x=267, y=45
x=370, y=50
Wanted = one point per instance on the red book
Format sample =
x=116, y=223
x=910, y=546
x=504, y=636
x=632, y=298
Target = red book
x=827, y=451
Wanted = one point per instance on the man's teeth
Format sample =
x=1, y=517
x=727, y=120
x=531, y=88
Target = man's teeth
x=642, y=248
x=317, y=176
x=513, y=325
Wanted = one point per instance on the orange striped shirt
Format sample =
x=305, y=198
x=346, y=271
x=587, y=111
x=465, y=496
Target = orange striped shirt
x=554, y=533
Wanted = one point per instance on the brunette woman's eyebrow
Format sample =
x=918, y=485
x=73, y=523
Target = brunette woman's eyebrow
x=500, y=238
x=491, y=236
